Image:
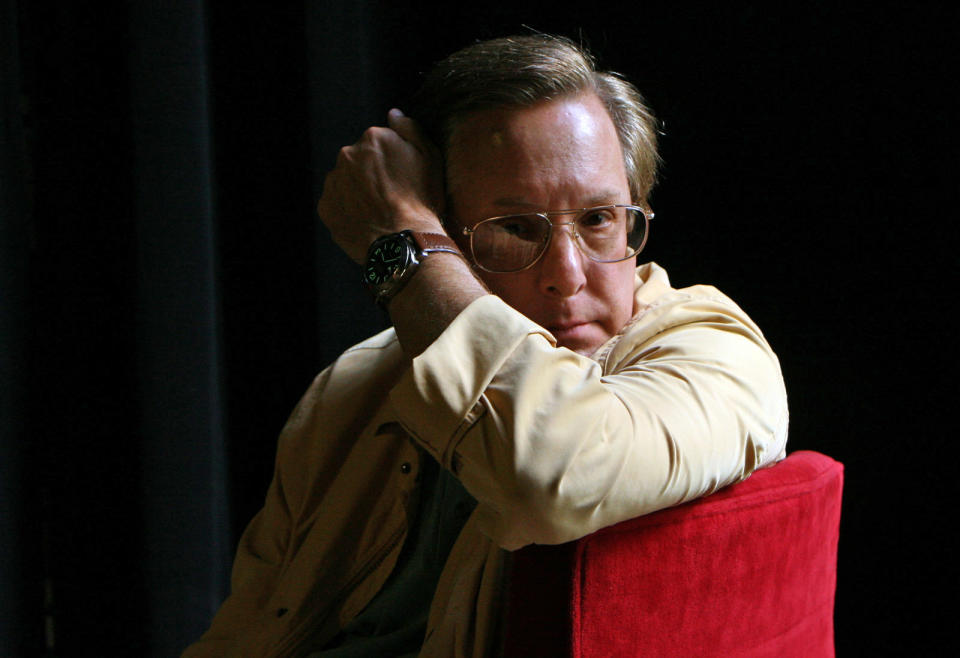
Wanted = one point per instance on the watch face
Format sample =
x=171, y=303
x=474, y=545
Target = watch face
x=386, y=258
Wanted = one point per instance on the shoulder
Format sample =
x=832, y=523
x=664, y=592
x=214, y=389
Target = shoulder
x=369, y=359
x=360, y=375
x=698, y=319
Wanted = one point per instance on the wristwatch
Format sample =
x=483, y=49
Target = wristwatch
x=392, y=259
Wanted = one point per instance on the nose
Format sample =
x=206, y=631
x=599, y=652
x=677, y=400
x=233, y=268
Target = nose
x=561, y=271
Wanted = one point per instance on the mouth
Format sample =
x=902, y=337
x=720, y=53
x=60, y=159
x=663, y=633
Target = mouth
x=566, y=331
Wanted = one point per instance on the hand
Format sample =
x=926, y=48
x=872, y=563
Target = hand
x=390, y=180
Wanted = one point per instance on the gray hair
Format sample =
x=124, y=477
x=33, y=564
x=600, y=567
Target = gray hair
x=520, y=71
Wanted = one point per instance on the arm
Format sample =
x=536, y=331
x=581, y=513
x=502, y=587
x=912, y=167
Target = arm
x=264, y=545
x=390, y=180
x=256, y=570
x=552, y=445
x=555, y=446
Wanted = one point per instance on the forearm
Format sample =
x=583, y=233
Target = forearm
x=554, y=447
x=442, y=287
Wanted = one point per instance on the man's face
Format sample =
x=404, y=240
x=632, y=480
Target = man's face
x=556, y=155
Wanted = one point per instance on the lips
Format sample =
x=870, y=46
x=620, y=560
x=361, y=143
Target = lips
x=565, y=331
x=566, y=326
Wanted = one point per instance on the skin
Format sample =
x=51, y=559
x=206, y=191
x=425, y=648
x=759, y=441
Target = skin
x=554, y=155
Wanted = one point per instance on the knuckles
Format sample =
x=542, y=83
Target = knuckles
x=376, y=142
x=375, y=133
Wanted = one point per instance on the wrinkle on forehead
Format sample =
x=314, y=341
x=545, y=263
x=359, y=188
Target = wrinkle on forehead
x=516, y=142
x=567, y=125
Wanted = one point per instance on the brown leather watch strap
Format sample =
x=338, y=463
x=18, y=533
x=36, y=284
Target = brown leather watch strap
x=431, y=242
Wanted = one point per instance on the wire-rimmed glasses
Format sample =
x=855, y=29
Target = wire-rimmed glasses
x=512, y=243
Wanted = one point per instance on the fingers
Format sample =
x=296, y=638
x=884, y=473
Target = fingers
x=403, y=125
x=409, y=130
x=389, y=180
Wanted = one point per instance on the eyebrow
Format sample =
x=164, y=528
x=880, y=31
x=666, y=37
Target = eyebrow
x=602, y=198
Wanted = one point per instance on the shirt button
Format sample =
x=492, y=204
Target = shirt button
x=405, y=467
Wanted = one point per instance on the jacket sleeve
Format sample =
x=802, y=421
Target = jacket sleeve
x=256, y=568
x=262, y=548
x=555, y=445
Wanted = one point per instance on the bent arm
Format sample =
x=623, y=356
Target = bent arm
x=236, y=629
x=555, y=446
x=256, y=570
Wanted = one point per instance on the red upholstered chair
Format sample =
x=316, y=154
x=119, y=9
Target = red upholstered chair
x=749, y=571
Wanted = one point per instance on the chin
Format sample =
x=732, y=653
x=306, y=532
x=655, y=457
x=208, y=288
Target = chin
x=583, y=338
x=582, y=344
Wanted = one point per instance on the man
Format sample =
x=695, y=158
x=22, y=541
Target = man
x=536, y=385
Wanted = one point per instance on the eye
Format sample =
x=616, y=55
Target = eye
x=521, y=227
x=517, y=229
x=598, y=218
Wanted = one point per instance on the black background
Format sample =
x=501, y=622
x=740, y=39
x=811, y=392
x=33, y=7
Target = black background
x=809, y=174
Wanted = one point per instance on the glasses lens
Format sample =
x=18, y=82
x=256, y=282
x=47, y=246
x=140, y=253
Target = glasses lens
x=638, y=225
x=508, y=244
x=612, y=233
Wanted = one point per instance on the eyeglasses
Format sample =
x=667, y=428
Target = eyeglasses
x=604, y=234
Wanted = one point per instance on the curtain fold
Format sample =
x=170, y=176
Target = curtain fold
x=161, y=277
x=347, y=94
x=186, y=533
x=18, y=595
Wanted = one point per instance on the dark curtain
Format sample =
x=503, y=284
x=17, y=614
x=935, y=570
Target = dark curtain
x=160, y=309
x=15, y=543
x=166, y=294
x=178, y=363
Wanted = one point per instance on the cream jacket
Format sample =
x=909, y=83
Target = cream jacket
x=688, y=398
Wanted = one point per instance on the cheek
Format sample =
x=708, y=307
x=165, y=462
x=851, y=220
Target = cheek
x=519, y=290
x=512, y=288
x=616, y=285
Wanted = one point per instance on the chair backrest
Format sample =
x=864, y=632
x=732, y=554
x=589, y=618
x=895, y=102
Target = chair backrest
x=749, y=571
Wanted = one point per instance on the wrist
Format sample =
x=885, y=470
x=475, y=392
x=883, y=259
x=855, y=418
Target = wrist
x=393, y=259
x=422, y=310
x=418, y=218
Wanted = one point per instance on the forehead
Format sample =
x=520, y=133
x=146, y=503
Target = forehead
x=554, y=152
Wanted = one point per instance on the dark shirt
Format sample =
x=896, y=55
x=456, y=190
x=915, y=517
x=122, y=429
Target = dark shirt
x=395, y=621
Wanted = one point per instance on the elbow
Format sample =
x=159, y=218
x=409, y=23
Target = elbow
x=772, y=447
x=552, y=513
x=533, y=524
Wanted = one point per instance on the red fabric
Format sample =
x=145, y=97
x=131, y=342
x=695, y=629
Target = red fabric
x=749, y=572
